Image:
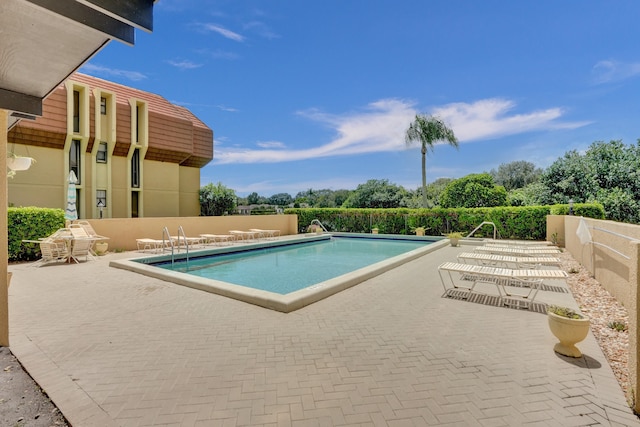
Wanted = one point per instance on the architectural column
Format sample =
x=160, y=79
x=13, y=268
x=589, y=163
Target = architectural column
x=4, y=245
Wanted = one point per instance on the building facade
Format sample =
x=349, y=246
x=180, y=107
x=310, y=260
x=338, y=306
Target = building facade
x=134, y=153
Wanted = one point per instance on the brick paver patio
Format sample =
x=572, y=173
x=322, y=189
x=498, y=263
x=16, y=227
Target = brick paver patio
x=113, y=348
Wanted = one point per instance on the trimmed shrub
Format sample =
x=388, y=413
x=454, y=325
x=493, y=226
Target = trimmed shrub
x=30, y=223
x=521, y=222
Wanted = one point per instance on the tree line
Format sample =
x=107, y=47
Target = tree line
x=606, y=173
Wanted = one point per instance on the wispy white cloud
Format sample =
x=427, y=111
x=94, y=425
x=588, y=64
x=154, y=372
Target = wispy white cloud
x=261, y=29
x=218, y=54
x=612, y=71
x=224, y=32
x=227, y=109
x=271, y=144
x=192, y=105
x=112, y=72
x=381, y=125
x=489, y=118
x=184, y=64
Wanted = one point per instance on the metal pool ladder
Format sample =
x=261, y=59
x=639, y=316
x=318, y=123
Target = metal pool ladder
x=495, y=230
x=317, y=222
x=165, y=232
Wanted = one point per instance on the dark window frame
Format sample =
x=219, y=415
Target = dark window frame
x=101, y=195
x=102, y=154
x=135, y=168
x=75, y=158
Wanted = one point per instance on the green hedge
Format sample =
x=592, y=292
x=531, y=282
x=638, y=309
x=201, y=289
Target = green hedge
x=526, y=222
x=30, y=224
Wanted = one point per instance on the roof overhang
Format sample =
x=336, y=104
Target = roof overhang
x=44, y=41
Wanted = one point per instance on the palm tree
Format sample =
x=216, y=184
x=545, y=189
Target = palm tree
x=427, y=130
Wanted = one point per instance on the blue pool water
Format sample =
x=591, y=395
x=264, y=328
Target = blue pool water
x=289, y=268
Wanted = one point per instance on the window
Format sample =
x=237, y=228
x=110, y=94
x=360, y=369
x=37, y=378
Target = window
x=101, y=198
x=138, y=123
x=101, y=156
x=76, y=111
x=74, y=158
x=78, y=204
x=103, y=106
x=135, y=169
x=134, y=204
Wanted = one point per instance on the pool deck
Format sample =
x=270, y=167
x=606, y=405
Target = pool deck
x=115, y=348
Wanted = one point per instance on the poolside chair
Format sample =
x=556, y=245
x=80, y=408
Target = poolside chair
x=245, y=235
x=80, y=233
x=54, y=248
x=187, y=241
x=218, y=238
x=90, y=231
x=498, y=250
x=504, y=279
x=153, y=245
x=267, y=234
x=81, y=247
x=53, y=251
x=517, y=242
x=524, y=247
x=507, y=260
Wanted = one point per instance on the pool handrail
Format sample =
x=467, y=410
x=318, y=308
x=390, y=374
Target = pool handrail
x=317, y=221
x=165, y=231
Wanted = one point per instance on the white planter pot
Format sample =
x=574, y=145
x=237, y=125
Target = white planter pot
x=569, y=332
x=101, y=247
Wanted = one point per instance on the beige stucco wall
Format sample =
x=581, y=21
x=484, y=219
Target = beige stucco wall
x=555, y=229
x=161, y=184
x=613, y=258
x=608, y=257
x=42, y=185
x=123, y=232
x=119, y=189
x=189, y=191
x=168, y=189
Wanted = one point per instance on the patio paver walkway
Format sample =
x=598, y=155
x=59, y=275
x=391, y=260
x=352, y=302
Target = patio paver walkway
x=113, y=348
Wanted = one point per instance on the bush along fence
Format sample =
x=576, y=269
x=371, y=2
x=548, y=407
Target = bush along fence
x=30, y=224
x=526, y=222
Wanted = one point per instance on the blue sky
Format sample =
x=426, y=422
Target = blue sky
x=318, y=95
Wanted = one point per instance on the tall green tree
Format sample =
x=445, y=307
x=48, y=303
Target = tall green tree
x=516, y=174
x=476, y=190
x=427, y=130
x=377, y=193
x=217, y=200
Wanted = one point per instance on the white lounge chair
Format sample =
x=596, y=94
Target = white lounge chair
x=218, y=238
x=498, y=250
x=245, y=235
x=191, y=242
x=525, y=247
x=80, y=233
x=503, y=278
x=90, y=231
x=81, y=247
x=267, y=234
x=507, y=260
x=517, y=242
x=54, y=248
x=152, y=245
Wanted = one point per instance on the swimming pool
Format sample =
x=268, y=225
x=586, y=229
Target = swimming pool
x=288, y=273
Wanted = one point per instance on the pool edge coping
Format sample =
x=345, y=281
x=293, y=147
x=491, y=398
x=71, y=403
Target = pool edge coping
x=283, y=303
